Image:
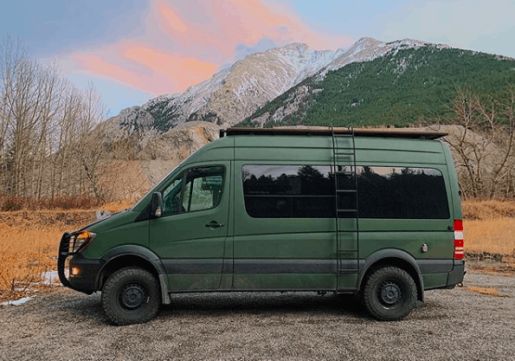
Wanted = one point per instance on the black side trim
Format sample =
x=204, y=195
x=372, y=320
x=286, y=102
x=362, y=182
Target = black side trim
x=215, y=265
x=285, y=266
x=259, y=266
x=435, y=265
x=193, y=266
x=262, y=290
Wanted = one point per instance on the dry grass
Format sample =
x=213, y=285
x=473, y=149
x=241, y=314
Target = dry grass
x=496, y=236
x=489, y=209
x=25, y=253
x=28, y=245
x=490, y=231
x=487, y=291
x=29, y=240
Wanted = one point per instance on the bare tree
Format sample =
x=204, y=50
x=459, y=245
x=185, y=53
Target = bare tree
x=89, y=150
x=483, y=147
x=50, y=138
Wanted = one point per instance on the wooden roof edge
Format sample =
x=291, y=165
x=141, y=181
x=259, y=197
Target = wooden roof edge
x=369, y=132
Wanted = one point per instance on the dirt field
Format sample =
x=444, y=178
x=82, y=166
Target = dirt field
x=460, y=324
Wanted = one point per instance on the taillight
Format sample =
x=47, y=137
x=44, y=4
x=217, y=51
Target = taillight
x=459, y=252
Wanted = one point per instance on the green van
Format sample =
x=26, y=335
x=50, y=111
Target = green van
x=366, y=212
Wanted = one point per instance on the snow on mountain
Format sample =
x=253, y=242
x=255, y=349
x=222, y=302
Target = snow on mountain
x=366, y=49
x=235, y=92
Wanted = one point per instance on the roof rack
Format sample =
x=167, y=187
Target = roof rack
x=367, y=132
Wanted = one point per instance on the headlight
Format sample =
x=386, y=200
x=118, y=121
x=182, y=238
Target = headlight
x=80, y=240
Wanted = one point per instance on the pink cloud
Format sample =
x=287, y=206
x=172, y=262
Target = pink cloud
x=186, y=42
x=153, y=70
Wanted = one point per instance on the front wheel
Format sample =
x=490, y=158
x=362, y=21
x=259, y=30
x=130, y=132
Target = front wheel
x=131, y=295
x=390, y=294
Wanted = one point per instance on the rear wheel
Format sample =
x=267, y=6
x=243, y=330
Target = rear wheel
x=131, y=295
x=390, y=294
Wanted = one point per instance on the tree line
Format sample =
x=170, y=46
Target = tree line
x=49, y=143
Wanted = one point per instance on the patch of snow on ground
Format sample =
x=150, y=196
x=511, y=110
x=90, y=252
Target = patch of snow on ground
x=17, y=302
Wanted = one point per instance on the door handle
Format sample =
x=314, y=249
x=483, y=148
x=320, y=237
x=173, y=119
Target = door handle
x=214, y=224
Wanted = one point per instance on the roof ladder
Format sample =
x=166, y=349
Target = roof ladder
x=346, y=185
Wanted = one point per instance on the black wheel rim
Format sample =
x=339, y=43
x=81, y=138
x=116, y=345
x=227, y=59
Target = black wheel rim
x=390, y=294
x=133, y=296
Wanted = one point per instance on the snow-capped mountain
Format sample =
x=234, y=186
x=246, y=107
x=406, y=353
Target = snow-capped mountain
x=235, y=92
x=366, y=49
x=400, y=83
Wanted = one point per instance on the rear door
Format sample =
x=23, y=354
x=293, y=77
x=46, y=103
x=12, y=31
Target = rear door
x=191, y=234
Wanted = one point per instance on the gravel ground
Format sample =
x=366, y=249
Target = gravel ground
x=451, y=325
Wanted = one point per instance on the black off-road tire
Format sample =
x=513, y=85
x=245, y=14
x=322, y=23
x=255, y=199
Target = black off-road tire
x=390, y=294
x=131, y=295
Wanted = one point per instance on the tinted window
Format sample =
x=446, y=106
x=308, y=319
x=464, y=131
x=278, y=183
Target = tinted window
x=395, y=192
x=289, y=191
x=273, y=191
x=197, y=189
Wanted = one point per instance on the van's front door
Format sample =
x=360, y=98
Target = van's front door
x=190, y=235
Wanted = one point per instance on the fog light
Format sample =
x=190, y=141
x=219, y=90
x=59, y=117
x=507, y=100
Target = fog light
x=75, y=271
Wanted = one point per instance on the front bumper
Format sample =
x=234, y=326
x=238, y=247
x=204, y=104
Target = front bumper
x=86, y=280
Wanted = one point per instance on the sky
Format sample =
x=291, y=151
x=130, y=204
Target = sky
x=133, y=50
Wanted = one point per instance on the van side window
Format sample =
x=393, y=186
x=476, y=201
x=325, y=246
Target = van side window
x=288, y=191
x=172, y=196
x=292, y=191
x=401, y=192
x=197, y=189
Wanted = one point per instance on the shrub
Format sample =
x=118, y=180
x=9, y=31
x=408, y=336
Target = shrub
x=11, y=203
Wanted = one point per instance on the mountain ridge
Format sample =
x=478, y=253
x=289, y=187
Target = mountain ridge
x=233, y=92
x=237, y=91
x=403, y=87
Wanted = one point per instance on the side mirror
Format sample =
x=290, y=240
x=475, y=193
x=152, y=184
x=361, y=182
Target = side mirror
x=156, y=205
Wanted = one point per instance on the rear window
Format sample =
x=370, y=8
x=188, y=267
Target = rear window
x=308, y=191
x=398, y=192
